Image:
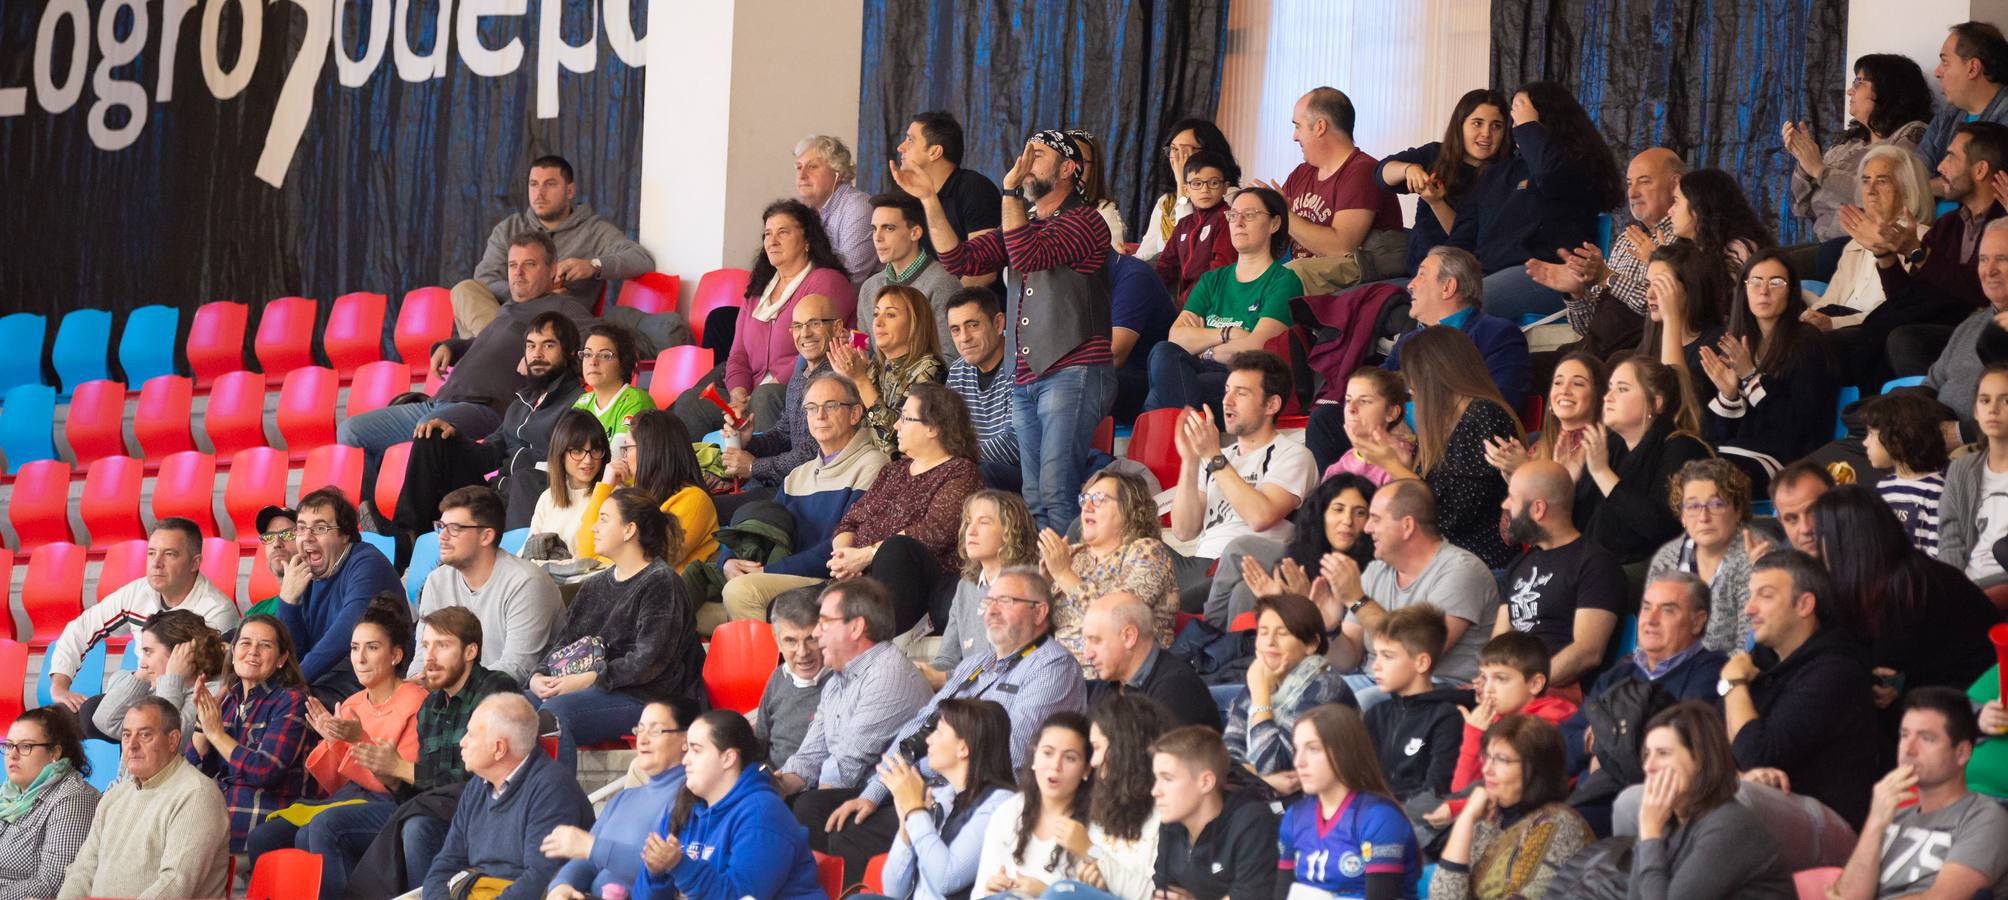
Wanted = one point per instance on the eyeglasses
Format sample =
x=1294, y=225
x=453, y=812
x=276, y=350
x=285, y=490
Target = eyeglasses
x=1502, y=760
x=1858, y=82
x=833, y=620
x=1711, y=507
x=654, y=731
x=796, y=326
x=23, y=748
x=1207, y=184
x=1236, y=217
x=452, y=529
x=605, y=356
x=275, y=537
x=1175, y=149
x=1759, y=281
x=318, y=529
x=1005, y=598
x=1094, y=498
x=826, y=409
x=912, y=419
x=581, y=454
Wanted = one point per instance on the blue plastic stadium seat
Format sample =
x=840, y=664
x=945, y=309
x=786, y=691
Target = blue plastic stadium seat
x=89, y=680
x=83, y=344
x=1842, y=399
x=1906, y=381
x=146, y=347
x=514, y=540
x=22, y=334
x=27, y=425
x=424, y=558
x=384, y=543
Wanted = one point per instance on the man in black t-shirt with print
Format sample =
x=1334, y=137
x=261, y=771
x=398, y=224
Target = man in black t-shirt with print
x=1563, y=589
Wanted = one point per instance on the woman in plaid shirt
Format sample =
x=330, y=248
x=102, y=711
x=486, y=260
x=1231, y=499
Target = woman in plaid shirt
x=252, y=736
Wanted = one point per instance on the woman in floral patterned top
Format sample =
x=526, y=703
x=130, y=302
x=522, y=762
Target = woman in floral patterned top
x=1120, y=550
x=906, y=351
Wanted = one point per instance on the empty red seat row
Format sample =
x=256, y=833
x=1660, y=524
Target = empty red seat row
x=284, y=341
x=53, y=592
x=163, y=420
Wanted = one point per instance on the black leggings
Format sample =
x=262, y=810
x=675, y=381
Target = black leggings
x=918, y=585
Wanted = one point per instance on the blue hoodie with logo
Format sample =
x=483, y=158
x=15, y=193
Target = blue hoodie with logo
x=746, y=845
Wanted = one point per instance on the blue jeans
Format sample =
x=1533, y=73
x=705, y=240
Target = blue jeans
x=340, y=836
x=424, y=837
x=1511, y=293
x=1179, y=380
x=588, y=717
x=375, y=431
x=1056, y=418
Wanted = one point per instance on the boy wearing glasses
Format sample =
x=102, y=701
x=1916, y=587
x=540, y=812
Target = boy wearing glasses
x=1199, y=243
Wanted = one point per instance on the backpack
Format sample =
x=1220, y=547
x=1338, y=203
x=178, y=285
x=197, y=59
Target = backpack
x=1600, y=871
x=1617, y=720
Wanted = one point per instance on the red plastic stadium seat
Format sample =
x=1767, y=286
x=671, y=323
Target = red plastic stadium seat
x=96, y=424
x=13, y=672
x=875, y=874
x=263, y=583
x=1530, y=412
x=1105, y=436
x=285, y=338
x=375, y=385
x=354, y=336
x=39, y=508
x=307, y=408
x=830, y=874
x=257, y=480
x=390, y=478
x=125, y=562
x=1243, y=622
x=742, y=657
x=425, y=318
x=186, y=487
x=333, y=464
x=1153, y=443
x=1813, y=883
x=678, y=369
x=216, y=340
x=219, y=564
x=718, y=287
x=650, y=292
x=54, y=591
x=110, y=506
x=286, y=874
x=235, y=419
x=162, y=420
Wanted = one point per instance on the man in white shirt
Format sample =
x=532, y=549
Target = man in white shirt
x=1248, y=490
x=517, y=602
x=173, y=580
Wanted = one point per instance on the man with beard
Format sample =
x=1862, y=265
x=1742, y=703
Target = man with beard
x=1563, y=589
x=326, y=587
x=587, y=251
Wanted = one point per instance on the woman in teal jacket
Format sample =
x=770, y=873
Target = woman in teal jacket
x=733, y=836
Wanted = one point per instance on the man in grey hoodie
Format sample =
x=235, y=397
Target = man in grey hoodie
x=591, y=250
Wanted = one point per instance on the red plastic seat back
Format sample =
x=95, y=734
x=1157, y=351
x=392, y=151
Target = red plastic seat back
x=125, y=563
x=425, y=318
x=110, y=506
x=830, y=874
x=333, y=464
x=96, y=425
x=354, y=336
x=235, y=418
x=1153, y=443
x=718, y=287
x=219, y=564
x=286, y=874
x=54, y=591
x=216, y=339
x=162, y=421
x=285, y=338
x=678, y=369
x=650, y=292
x=307, y=408
x=13, y=669
x=262, y=584
x=375, y=385
x=39, y=507
x=741, y=658
x=257, y=480
x=390, y=478
x=186, y=487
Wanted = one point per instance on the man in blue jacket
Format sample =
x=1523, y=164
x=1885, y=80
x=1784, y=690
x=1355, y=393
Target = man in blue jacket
x=325, y=587
x=516, y=797
x=1671, y=620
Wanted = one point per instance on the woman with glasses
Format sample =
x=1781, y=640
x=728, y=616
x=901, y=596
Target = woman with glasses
x=1516, y=830
x=607, y=365
x=251, y=739
x=1772, y=376
x=577, y=460
x=1712, y=499
x=45, y=804
x=1230, y=309
x=611, y=852
x=1121, y=549
x=729, y=836
x=659, y=462
x=906, y=350
x=1889, y=105
x=178, y=651
x=903, y=531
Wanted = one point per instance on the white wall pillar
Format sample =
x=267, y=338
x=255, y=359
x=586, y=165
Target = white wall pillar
x=1914, y=28
x=731, y=86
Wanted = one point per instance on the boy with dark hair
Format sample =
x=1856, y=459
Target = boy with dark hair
x=1200, y=242
x=1417, y=729
x=1211, y=844
x=1512, y=678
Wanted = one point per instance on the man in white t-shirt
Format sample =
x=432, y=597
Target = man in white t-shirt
x=1245, y=491
x=173, y=580
x=1926, y=834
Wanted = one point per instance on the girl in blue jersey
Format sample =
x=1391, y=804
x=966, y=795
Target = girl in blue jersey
x=1347, y=838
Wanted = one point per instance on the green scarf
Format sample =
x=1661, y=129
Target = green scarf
x=15, y=803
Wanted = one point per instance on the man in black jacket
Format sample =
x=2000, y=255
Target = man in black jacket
x=1119, y=638
x=1801, y=702
x=1211, y=844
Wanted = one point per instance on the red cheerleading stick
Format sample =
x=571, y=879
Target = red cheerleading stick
x=711, y=394
x=1999, y=635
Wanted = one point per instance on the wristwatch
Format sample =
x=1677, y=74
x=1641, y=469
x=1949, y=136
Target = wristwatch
x=1353, y=608
x=596, y=265
x=1218, y=462
x=1916, y=257
x=1724, y=686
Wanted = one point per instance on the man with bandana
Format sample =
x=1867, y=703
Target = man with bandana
x=1054, y=250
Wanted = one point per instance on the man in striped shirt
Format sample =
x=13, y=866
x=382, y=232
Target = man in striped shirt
x=1056, y=247
x=976, y=322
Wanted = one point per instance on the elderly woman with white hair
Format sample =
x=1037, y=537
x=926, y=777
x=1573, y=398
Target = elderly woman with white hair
x=824, y=180
x=1893, y=187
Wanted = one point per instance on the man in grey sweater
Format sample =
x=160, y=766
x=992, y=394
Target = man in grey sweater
x=516, y=601
x=591, y=250
x=1956, y=374
x=789, y=701
x=163, y=831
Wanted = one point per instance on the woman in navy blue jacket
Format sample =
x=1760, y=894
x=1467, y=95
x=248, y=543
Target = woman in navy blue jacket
x=733, y=836
x=1476, y=151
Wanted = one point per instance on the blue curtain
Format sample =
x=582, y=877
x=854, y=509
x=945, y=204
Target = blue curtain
x=1006, y=68
x=1710, y=79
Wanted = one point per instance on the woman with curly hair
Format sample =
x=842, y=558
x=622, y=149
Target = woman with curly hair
x=997, y=534
x=1889, y=104
x=1712, y=499
x=1570, y=178
x=1709, y=208
x=1121, y=549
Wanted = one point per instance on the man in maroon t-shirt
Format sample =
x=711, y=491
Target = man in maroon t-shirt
x=1344, y=229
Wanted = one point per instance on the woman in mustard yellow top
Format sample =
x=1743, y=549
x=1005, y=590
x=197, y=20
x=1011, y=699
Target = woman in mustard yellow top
x=661, y=463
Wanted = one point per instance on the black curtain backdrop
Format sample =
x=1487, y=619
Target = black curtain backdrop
x=394, y=184
x=1709, y=79
x=1006, y=68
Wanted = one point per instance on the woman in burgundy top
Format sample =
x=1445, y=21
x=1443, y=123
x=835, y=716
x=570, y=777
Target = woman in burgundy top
x=903, y=531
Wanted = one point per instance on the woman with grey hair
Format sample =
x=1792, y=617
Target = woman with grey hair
x=1893, y=186
x=824, y=176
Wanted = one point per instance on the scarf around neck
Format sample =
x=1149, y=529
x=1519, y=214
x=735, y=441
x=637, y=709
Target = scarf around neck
x=16, y=802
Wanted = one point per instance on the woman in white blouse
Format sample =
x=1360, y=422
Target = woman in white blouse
x=578, y=455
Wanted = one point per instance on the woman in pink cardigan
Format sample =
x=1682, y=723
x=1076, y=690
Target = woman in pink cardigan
x=795, y=261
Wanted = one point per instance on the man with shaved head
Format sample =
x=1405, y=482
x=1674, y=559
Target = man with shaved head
x=1563, y=589
x=1587, y=278
x=1118, y=637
